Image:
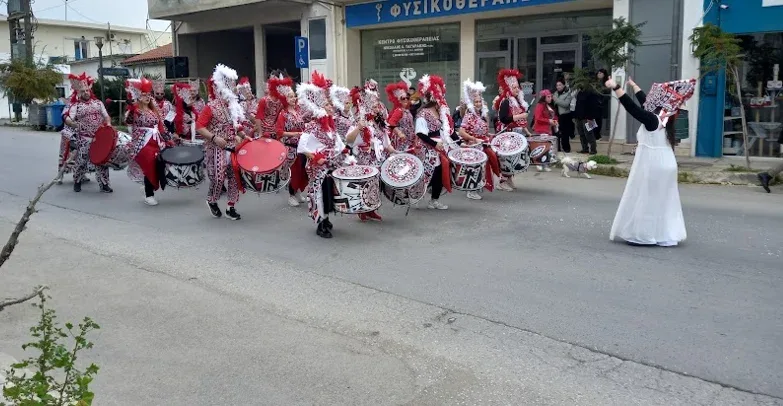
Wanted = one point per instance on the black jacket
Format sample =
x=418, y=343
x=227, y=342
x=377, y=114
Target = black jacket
x=588, y=105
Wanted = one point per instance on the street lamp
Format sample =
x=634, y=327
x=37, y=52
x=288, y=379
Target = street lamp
x=99, y=44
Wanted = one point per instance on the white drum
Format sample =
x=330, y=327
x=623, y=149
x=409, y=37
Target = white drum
x=468, y=169
x=402, y=179
x=512, y=151
x=357, y=189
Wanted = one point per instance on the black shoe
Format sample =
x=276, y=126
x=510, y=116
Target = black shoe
x=231, y=213
x=328, y=225
x=322, y=231
x=584, y=151
x=77, y=187
x=86, y=180
x=765, y=178
x=214, y=209
x=106, y=189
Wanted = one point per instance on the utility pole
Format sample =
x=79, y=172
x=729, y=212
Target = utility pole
x=66, y=10
x=20, y=26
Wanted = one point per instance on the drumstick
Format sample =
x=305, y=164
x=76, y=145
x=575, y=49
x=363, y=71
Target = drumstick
x=192, y=131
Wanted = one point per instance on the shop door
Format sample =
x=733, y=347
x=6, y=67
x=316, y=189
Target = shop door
x=554, y=63
x=488, y=64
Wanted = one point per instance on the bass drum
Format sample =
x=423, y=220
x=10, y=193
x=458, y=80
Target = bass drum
x=261, y=165
x=357, y=189
x=467, y=169
x=512, y=151
x=402, y=178
x=184, y=166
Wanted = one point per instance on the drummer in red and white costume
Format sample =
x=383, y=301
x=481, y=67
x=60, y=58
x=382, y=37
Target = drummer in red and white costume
x=222, y=124
x=475, y=131
x=249, y=103
x=368, y=136
x=147, y=138
x=288, y=128
x=434, y=127
x=323, y=147
x=402, y=131
x=159, y=91
x=86, y=115
x=268, y=109
x=198, y=101
x=183, y=106
x=341, y=100
x=67, y=154
x=512, y=112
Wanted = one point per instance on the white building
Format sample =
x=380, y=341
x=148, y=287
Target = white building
x=66, y=42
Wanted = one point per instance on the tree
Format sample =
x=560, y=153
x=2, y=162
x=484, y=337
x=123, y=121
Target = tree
x=614, y=49
x=24, y=81
x=719, y=50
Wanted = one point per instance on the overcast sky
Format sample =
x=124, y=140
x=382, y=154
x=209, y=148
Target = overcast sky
x=129, y=13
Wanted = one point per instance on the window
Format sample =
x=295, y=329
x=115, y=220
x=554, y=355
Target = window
x=60, y=91
x=317, y=32
x=81, y=49
x=407, y=54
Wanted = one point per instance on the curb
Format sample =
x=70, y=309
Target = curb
x=698, y=177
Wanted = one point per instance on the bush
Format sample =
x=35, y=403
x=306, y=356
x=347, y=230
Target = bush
x=23, y=81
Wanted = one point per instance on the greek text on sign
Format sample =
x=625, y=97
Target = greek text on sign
x=414, y=46
x=401, y=10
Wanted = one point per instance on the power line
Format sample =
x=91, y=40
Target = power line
x=84, y=16
x=154, y=43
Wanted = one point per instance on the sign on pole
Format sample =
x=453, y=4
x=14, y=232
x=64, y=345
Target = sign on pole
x=114, y=71
x=301, y=52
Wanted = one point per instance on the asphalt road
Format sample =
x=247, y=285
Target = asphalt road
x=536, y=261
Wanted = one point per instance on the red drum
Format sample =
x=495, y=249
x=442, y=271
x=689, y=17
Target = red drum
x=542, y=149
x=110, y=148
x=261, y=165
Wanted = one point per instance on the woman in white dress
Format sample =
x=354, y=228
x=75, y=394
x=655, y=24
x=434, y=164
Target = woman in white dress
x=650, y=212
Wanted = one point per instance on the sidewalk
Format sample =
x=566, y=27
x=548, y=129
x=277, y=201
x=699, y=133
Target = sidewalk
x=723, y=171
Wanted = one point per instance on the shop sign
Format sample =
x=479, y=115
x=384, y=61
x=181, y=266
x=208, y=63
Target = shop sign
x=407, y=47
x=389, y=11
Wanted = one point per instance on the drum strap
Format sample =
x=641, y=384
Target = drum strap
x=327, y=193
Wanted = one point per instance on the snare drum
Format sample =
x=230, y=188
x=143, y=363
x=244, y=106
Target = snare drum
x=184, y=166
x=542, y=149
x=400, y=176
x=110, y=148
x=357, y=189
x=511, y=149
x=261, y=165
x=468, y=169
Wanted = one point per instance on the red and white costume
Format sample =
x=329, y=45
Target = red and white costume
x=67, y=153
x=320, y=141
x=185, y=118
x=267, y=111
x=508, y=79
x=475, y=123
x=290, y=120
x=370, y=145
x=164, y=106
x=433, y=127
x=341, y=97
x=147, y=137
x=401, y=119
x=249, y=103
x=223, y=117
x=87, y=116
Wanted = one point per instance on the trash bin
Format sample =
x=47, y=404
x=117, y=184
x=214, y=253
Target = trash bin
x=54, y=114
x=36, y=116
x=681, y=126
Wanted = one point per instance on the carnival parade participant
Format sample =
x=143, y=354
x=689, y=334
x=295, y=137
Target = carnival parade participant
x=474, y=131
x=545, y=121
x=159, y=91
x=147, y=138
x=402, y=132
x=86, y=115
x=650, y=212
x=268, y=109
x=368, y=135
x=512, y=112
x=323, y=148
x=341, y=101
x=183, y=106
x=67, y=153
x=249, y=103
x=198, y=101
x=288, y=129
x=434, y=127
x=221, y=124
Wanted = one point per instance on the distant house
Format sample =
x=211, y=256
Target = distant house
x=151, y=62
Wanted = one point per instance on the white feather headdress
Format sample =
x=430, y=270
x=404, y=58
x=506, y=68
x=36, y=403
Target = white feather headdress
x=472, y=89
x=340, y=97
x=224, y=82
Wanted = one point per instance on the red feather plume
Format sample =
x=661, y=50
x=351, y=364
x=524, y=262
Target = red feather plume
x=273, y=83
x=391, y=88
x=319, y=80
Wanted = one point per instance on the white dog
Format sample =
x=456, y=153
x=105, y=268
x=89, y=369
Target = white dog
x=581, y=168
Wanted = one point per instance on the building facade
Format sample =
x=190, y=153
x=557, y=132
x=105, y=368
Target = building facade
x=759, y=25
x=151, y=63
x=255, y=37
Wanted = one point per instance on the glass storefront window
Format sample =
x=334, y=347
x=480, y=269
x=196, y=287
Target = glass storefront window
x=560, y=39
x=391, y=55
x=762, y=98
x=527, y=59
x=495, y=45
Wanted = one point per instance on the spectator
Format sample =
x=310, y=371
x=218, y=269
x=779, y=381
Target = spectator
x=544, y=116
x=562, y=98
x=604, y=101
x=586, y=112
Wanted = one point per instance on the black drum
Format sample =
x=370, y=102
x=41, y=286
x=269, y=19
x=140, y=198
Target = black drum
x=184, y=166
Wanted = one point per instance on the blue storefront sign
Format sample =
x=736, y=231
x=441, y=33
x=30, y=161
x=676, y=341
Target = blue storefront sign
x=390, y=11
x=736, y=17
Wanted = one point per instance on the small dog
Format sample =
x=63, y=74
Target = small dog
x=581, y=168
